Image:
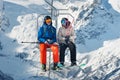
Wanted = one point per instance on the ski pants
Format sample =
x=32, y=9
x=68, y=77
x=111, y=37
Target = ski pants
x=72, y=48
x=43, y=47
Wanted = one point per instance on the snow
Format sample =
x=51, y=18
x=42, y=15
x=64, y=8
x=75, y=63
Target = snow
x=115, y=4
x=26, y=3
x=98, y=39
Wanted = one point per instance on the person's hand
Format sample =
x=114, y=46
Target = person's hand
x=55, y=43
x=63, y=38
x=46, y=42
x=67, y=39
x=50, y=41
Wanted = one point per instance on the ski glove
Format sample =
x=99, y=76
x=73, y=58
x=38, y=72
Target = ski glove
x=67, y=39
x=50, y=41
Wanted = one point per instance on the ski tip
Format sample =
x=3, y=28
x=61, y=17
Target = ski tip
x=82, y=65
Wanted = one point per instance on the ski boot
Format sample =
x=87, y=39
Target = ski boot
x=73, y=64
x=44, y=67
x=56, y=67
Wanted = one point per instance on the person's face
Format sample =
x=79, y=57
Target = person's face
x=48, y=21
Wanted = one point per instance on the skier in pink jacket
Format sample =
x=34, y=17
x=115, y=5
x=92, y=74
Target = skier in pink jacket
x=66, y=38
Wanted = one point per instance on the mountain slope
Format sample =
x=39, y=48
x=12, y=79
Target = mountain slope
x=97, y=28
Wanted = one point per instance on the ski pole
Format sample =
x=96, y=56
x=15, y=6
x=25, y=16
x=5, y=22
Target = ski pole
x=30, y=42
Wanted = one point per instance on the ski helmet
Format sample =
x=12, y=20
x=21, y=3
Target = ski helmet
x=65, y=22
x=47, y=19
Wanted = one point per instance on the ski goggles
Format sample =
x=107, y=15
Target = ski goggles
x=63, y=22
x=48, y=20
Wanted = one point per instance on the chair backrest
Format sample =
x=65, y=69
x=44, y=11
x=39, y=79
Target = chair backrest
x=48, y=49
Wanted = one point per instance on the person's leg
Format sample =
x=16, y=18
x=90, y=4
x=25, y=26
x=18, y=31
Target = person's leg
x=42, y=48
x=72, y=48
x=55, y=51
x=62, y=53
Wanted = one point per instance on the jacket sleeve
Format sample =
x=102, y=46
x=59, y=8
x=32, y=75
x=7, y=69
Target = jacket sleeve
x=72, y=36
x=60, y=36
x=40, y=33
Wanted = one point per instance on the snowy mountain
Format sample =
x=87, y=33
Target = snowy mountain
x=96, y=23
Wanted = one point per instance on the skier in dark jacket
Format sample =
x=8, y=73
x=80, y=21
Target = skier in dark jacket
x=47, y=39
x=66, y=38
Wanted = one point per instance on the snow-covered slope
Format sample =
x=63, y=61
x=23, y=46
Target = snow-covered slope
x=115, y=4
x=96, y=23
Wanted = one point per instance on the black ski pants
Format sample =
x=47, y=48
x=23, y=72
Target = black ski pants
x=72, y=49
